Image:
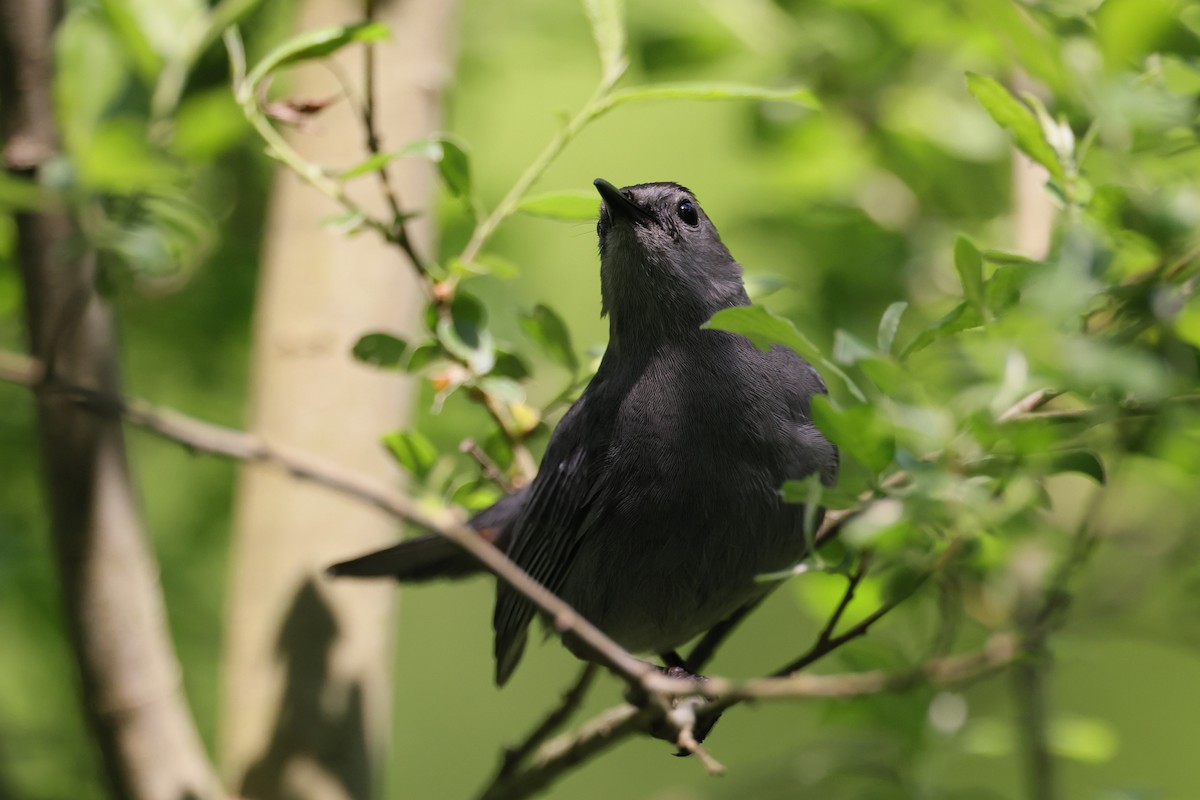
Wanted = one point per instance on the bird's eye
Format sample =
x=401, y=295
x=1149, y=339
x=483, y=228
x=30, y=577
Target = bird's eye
x=687, y=212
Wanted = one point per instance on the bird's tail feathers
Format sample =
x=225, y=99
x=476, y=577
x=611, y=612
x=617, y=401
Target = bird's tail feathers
x=419, y=559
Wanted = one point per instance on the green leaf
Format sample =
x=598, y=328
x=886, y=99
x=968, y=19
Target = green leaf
x=423, y=355
x=509, y=365
x=760, y=285
x=1085, y=462
x=1187, y=322
x=889, y=323
x=158, y=236
x=380, y=349
x=412, y=450
x=315, y=44
x=799, y=492
x=765, y=330
x=347, y=223
x=968, y=263
x=571, y=206
x=546, y=328
x=207, y=124
x=713, y=91
x=608, y=29
x=476, y=495
x=486, y=264
x=858, y=430
x=90, y=73
x=1004, y=287
x=373, y=164
x=848, y=349
x=462, y=330
x=450, y=155
x=504, y=389
x=887, y=374
x=959, y=318
x=123, y=19
x=1017, y=119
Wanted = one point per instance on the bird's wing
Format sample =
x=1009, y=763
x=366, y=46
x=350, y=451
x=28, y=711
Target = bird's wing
x=561, y=508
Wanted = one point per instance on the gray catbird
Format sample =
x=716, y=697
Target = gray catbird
x=657, y=502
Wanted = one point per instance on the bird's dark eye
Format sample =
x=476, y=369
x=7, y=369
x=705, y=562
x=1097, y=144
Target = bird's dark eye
x=687, y=212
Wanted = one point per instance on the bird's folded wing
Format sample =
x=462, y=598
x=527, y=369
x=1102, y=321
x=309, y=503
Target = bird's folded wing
x=561, y=509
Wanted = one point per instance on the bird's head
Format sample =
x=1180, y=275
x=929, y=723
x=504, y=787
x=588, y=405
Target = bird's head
x=663, y=266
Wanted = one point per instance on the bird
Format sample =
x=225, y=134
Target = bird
x=656, y=508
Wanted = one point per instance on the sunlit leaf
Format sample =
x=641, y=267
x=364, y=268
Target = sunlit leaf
x=89, y=74
x=208, y=124
x=374, y=163
x=765, y=330
x=849, y=349
x=1017, y=119
x=968, y=263
x=462, y=330
x=315, y=44
x=799, y=491
x=960, y=318
x=859, y=430
x=412, y=451
x=889, y=323
x=571, y=206
x=448, y=152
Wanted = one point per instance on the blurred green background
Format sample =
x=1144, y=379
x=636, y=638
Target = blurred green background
x=852, y=207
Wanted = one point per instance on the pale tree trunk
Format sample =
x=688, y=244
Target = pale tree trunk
x=112, y=599
x=306, y=700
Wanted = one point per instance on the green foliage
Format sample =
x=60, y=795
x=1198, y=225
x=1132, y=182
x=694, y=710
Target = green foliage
x=577, y=205
x=312, y=45
x=380, y=349
x=882, y=195
x=547, y=329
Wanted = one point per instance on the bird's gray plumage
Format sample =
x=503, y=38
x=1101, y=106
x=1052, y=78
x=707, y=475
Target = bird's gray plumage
x=657, y=501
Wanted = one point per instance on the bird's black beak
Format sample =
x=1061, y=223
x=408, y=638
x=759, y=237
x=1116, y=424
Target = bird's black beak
x=617, y=204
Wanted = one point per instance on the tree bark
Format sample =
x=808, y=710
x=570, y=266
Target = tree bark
x=113, y=603
x=306, y=699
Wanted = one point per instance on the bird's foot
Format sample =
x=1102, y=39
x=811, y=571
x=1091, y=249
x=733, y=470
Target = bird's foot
x=688, y=705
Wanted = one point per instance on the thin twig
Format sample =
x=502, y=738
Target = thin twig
x=1031, y=676
x=1031, y=402
x=399, y=229
x=616, y=724
x=491, y=470
x=279, y=147
x=523, y=460
x=558, y=757
x=1029, y=690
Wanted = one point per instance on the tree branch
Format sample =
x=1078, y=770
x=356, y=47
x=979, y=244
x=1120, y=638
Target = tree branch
x=113, y=605
x=216, y=440
x=616, y=724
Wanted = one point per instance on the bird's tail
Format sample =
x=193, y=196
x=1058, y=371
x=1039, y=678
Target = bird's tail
x=423, y=558
x=434, y=557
